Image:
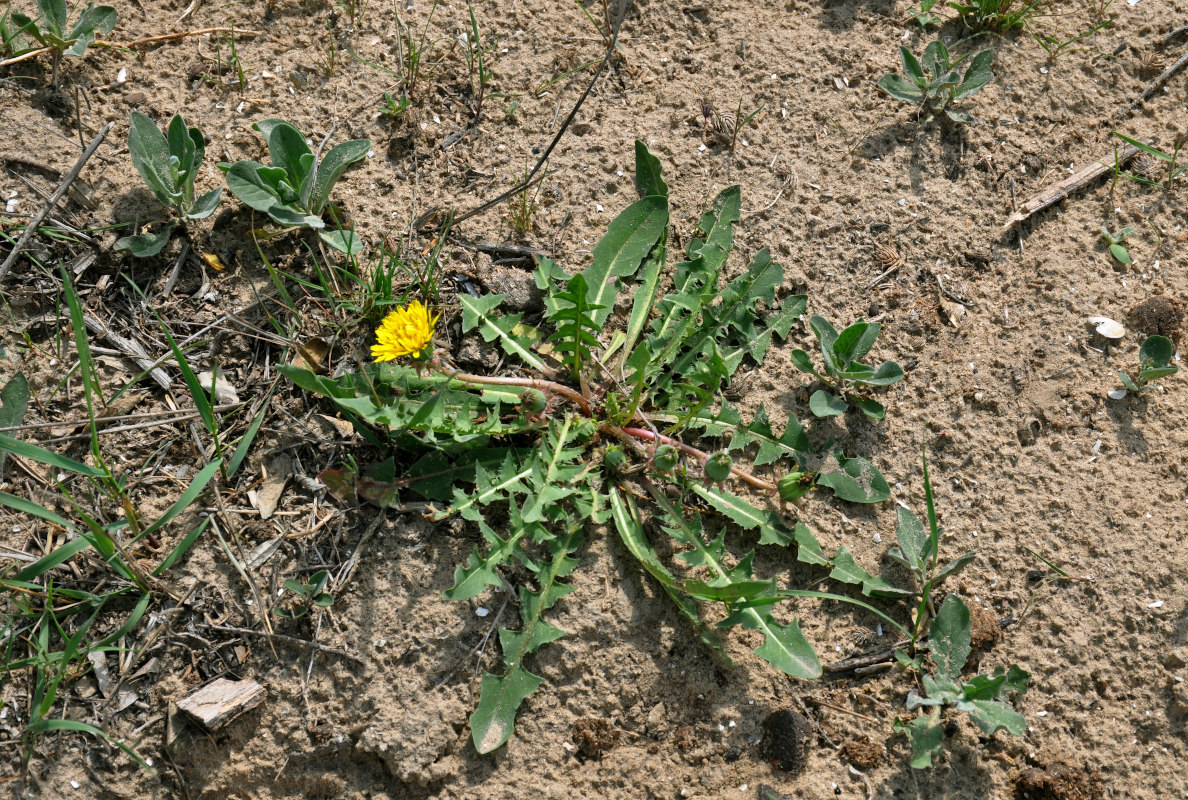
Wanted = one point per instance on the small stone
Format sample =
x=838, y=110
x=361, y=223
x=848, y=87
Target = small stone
x=1174, y=659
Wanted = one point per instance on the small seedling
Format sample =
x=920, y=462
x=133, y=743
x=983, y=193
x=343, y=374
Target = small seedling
x=479, y=73
x=1000, y=16
x=310, y=594
x=1055, y=45
x=412, y=54
x=295, y=189
x=843, y=371
x=1115, y=240
x=394, y=108
x=63, y=39
x=522, y=206
x=923, y=15
x=1174, y=167
x=983, y=697
x=168, y=163
x=1155, y=355
x=934, y=82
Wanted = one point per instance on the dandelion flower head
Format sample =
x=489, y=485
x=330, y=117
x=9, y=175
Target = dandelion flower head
x=406, y=331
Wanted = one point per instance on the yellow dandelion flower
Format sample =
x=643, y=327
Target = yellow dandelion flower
x=406, y=331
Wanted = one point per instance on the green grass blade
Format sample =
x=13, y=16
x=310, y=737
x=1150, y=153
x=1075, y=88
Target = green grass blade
x=48, y=725
x=40, y=454
x=245, y=444
x=86, y=364
x=181, y=548
x=188, y=496
x=29, y=507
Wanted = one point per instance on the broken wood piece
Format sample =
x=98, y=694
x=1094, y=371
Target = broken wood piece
x=219, y=702
x=1056, y=193
x=132, y=348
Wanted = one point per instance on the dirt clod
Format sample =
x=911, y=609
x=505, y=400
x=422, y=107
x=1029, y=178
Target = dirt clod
x=787, y=737
x=985, y=631
x=684, y=738
x=862, y=752
x=594, y=736
x=1059, y=781
x=1158, y=315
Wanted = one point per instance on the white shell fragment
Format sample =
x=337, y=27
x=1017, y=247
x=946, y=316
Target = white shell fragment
x=1116, y=394
x=1111, y=329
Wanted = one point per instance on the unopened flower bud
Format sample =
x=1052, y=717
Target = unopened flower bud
x=665, y=458
x=533, y=401
x=794, y=486
x=717, y=466
x=614, y=458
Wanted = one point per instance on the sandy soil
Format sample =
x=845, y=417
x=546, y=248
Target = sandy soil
x=1028, y=454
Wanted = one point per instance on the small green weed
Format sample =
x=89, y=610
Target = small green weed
x=1174, y=168
x=916, y=549
x=1000, y=16
x=295, y=189
x=935, y=82
x=394, y=108
x=476, y=65
x=924, y=16
x=1155, y=356
x=521, y=208
x=168, y=163
x=1054, y=45
x=984, y=697
x=843, y=371
x=309, y=594
x=412, y=53
x=595, y=423
x=53, y=29
x=1115, y=241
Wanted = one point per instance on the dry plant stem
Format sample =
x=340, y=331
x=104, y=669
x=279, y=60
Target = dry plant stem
x=1161, y=79
x=290, y=639
x=693, y=452
x=172, y=416
x=531, y=178
x=36, y=220
x=167, y=37
x=528, y=383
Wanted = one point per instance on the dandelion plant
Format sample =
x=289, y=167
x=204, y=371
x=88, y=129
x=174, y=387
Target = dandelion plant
x=606, y=418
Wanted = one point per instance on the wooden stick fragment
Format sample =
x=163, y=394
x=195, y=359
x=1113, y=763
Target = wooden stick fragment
x=36, y=220
x=132, y=348
x=1057, y=192
x=221, y=701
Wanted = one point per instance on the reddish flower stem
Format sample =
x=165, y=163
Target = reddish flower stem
x=693, y=452
x=548, y=387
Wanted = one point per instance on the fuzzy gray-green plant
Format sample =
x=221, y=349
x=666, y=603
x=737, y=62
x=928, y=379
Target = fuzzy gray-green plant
x=933, y=82
x=295, y=188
